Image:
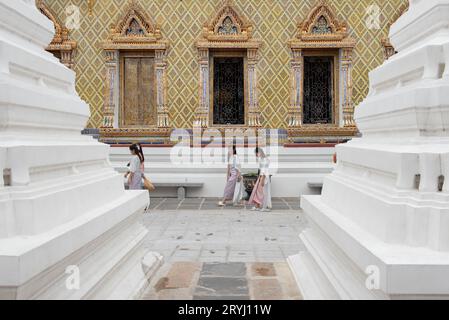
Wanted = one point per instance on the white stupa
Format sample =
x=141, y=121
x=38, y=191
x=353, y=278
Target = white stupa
x=62, y=207
x=382, y=221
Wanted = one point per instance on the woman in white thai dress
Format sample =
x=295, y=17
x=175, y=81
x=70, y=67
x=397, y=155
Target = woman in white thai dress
x=136, y=167
x=261, y=195
x=234, y=184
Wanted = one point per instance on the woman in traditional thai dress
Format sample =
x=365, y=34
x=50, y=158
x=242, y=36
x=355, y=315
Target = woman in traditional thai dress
x=261, y=195
x=233, y=179
x=136, y=167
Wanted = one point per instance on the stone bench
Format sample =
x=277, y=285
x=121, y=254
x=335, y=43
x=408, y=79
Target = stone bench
x=180, y=185
x=315, y=185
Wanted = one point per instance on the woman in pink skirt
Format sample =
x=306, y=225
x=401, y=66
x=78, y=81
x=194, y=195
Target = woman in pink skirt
x=233, y=176
x=261, y=195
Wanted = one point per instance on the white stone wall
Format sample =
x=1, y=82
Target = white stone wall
x=292, y=168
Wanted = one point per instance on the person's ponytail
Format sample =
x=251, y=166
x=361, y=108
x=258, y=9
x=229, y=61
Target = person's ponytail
x=137, y=149
x=142, y=157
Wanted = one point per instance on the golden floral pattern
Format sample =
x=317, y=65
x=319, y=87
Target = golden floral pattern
x=181, y=22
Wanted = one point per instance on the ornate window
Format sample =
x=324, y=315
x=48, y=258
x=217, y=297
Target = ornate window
x=321, y=27
x=227, y=47
x=228, y=27
x=134, y=29
x=321, y=97
x=61, y=46
x=135, y=96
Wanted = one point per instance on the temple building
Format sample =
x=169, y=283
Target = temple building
x=332, y=181
x=147, y=67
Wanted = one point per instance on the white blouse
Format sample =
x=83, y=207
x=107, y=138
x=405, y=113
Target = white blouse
x=134, y=166
x=264, y=166
x=234, y=162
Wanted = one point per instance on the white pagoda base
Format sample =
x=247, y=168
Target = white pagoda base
x=62, y=206
x=384, y=211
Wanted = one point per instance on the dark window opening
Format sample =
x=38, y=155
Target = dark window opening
x=229, y=97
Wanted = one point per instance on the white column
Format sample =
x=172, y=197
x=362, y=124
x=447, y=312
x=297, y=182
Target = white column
x=202, y=112
x=347, y=108
x=111, y=107
x=295, y=112
x=253, y=112
x=161, y=96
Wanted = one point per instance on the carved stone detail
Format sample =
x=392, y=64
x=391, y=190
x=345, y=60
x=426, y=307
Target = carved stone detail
x=346, y=85
x=61, y=45
x=321, y=30
x=228, y=29
x=135, y=30
x=295, y=110
x=253, y=112
x=161, y=91
x=110, y=102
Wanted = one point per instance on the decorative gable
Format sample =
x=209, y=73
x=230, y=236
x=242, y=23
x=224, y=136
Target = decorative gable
x=61, y=46
x=228, y=26
x=322, y=26
x=135, y=29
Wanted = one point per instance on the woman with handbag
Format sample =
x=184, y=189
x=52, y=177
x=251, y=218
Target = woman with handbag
x=136, y=167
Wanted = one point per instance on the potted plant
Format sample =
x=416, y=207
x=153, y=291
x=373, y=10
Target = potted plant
x=249, y=180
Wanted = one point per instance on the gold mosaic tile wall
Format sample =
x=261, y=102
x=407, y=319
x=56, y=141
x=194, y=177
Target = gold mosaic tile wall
x=181, y=23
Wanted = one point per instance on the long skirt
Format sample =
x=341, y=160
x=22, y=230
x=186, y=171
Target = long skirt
x=261, y=195
x=238, y=192
x=230, y=185
x=136, y=181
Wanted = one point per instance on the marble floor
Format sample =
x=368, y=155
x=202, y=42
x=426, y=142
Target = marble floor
x=223, y=253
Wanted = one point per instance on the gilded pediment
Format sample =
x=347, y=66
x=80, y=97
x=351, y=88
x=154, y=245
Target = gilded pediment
x=134, y=29
x=322, y=28
x=61, y=37
x=226, y=27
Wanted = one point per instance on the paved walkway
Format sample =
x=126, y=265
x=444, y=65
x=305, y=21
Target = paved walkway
x=230, y=253
x=279, y=204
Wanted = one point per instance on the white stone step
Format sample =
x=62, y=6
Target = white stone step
x=396, y=262
x=311, y=281
x=110, y=267
x=347, y=280
x=133, y=278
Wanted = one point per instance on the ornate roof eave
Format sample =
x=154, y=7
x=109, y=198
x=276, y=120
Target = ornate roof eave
x=65, y=46
x=136, y=44
x=323, y=131
x=60, y=40
x=322, y=43
x=251, y=44
x=134, y=132
x=229, y=38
